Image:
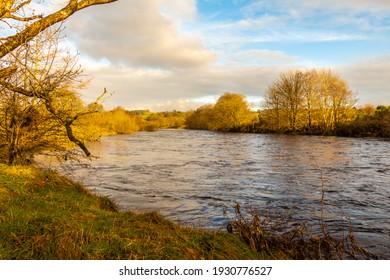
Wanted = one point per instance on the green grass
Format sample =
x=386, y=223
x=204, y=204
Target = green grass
x=46, y=216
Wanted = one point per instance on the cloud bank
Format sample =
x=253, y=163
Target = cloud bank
x=167, y=54
x=136, y=33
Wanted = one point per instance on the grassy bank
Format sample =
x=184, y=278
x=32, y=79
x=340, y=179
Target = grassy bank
x=46, y=216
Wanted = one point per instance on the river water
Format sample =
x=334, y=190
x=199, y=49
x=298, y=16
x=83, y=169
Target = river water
x=196, y=177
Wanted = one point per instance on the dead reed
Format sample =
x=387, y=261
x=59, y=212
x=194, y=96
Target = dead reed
x=283, y=237
x=280, y=237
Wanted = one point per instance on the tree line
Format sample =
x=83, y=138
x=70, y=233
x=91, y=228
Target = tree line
x=313, y=101
x=122, y=121
x=308, y=100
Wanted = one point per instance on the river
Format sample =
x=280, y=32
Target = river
x=196, y=177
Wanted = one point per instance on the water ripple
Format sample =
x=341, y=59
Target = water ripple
x=196, y=177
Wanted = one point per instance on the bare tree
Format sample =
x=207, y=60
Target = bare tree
x=299, y=99
x=287, y=94
x=310, y=97
x=30, y=25
x=273, y=114
x=335, y=99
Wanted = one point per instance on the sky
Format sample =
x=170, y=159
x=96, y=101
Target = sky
x=177, y=55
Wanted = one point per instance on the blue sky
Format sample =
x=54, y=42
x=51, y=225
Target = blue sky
x=169, y=54
x=320, y=35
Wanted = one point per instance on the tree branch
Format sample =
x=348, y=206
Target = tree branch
x=23, y=18
x=71, y=137
x=38, y=26
x=7, y=72
x=7, y=12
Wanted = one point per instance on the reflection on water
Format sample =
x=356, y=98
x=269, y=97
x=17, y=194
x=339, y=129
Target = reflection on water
x=193, y=176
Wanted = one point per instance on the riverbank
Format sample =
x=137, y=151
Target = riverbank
x=46, y=216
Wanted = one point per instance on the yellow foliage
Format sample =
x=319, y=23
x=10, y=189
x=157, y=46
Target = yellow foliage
x=306, y=100
x=230, y=113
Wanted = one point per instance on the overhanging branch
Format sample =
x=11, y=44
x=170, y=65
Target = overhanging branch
x=38, y=26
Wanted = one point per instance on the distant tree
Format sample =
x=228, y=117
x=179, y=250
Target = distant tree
x=121, y=122
x=382, y=114
x=382, y=111
x=286, y=96
x=201, y=119
x=366, y=111
x=336, y=100
x=231, y=113
x=301, y=99
x=139, y=112
x=370, y=121
x=273, y=109
x=310, y=97
x=172, y=119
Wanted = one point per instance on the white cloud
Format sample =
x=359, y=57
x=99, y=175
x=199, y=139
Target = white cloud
x=370, y=79
x=353, y=6
x=136, y=33
x=262, y=57
x=234, y=35
x=150, y=63
x=363, y=15
x=181, y=10
x=165, y=90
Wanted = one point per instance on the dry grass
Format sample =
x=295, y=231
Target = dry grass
x=280, y=237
